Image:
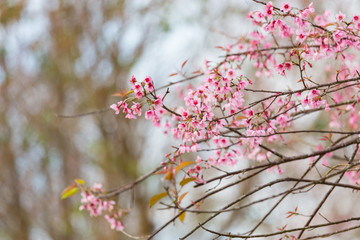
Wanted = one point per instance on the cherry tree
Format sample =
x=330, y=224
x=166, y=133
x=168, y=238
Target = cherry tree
x=279, y=135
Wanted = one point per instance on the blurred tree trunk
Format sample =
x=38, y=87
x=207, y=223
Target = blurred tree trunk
x=45, y=154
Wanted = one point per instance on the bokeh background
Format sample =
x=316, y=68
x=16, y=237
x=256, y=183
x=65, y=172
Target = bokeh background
x=68, y=57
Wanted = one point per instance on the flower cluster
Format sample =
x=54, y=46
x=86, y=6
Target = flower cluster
x=156, y=110
x=131, y=112
x=91, y=201
x=114, y=221
x=217, y=111
x=140, y=89
x=221, y=115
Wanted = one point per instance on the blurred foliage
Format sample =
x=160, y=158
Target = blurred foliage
x=66, y=57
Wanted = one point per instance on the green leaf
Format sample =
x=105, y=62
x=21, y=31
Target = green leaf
x=187, y=180
x=69, y=191
x=156, y=198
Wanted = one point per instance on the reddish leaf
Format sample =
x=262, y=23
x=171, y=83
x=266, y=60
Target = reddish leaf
x=281, y=108
x=161, y=172
x=282, y=229
x=196, y=72
x=182, y=196
x=184, y=63
x=122, y=93
x=118, y=94
x=324, y=138
x=250, y=82
x=173, y=74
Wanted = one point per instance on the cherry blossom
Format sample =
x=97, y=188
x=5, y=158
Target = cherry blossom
x=225, y=115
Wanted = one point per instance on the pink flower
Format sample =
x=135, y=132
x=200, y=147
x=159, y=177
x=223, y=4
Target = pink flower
x=356, y=18
x=185, y=114
x=282, y=120
x=339, y=17
x=116, y=108
x=288, y=66
x=138, y=90
x=286, y=8
x=230, y=74
x=108, y=205
x=91, y=203
x=319, y=20
x=148, y=80
x=307, y=11
x=158, y=101
x=353, y=120
x=280, y=68
x=137, y=87
x=136, y=108
x=310, y=8
x=339, y=35
x=149, y=114
x=314, y=93
x=150, y=86
x=115, y=223
x=130, y=115
x=125, y=108
x=300, y=36
x=258, y=17
x=139, y=94
x=357, y=26
x=133, y=80
x=97, y=187
x=269, y=9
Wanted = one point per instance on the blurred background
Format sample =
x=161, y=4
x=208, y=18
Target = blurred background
x=68, y=57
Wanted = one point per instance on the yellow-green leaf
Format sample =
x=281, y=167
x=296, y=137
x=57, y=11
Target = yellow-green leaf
x=182, y=216
x=187, y=180
x=182, y=165
x=80, y=181
x=128, y=92
x=69, y=191
x=156, y=198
